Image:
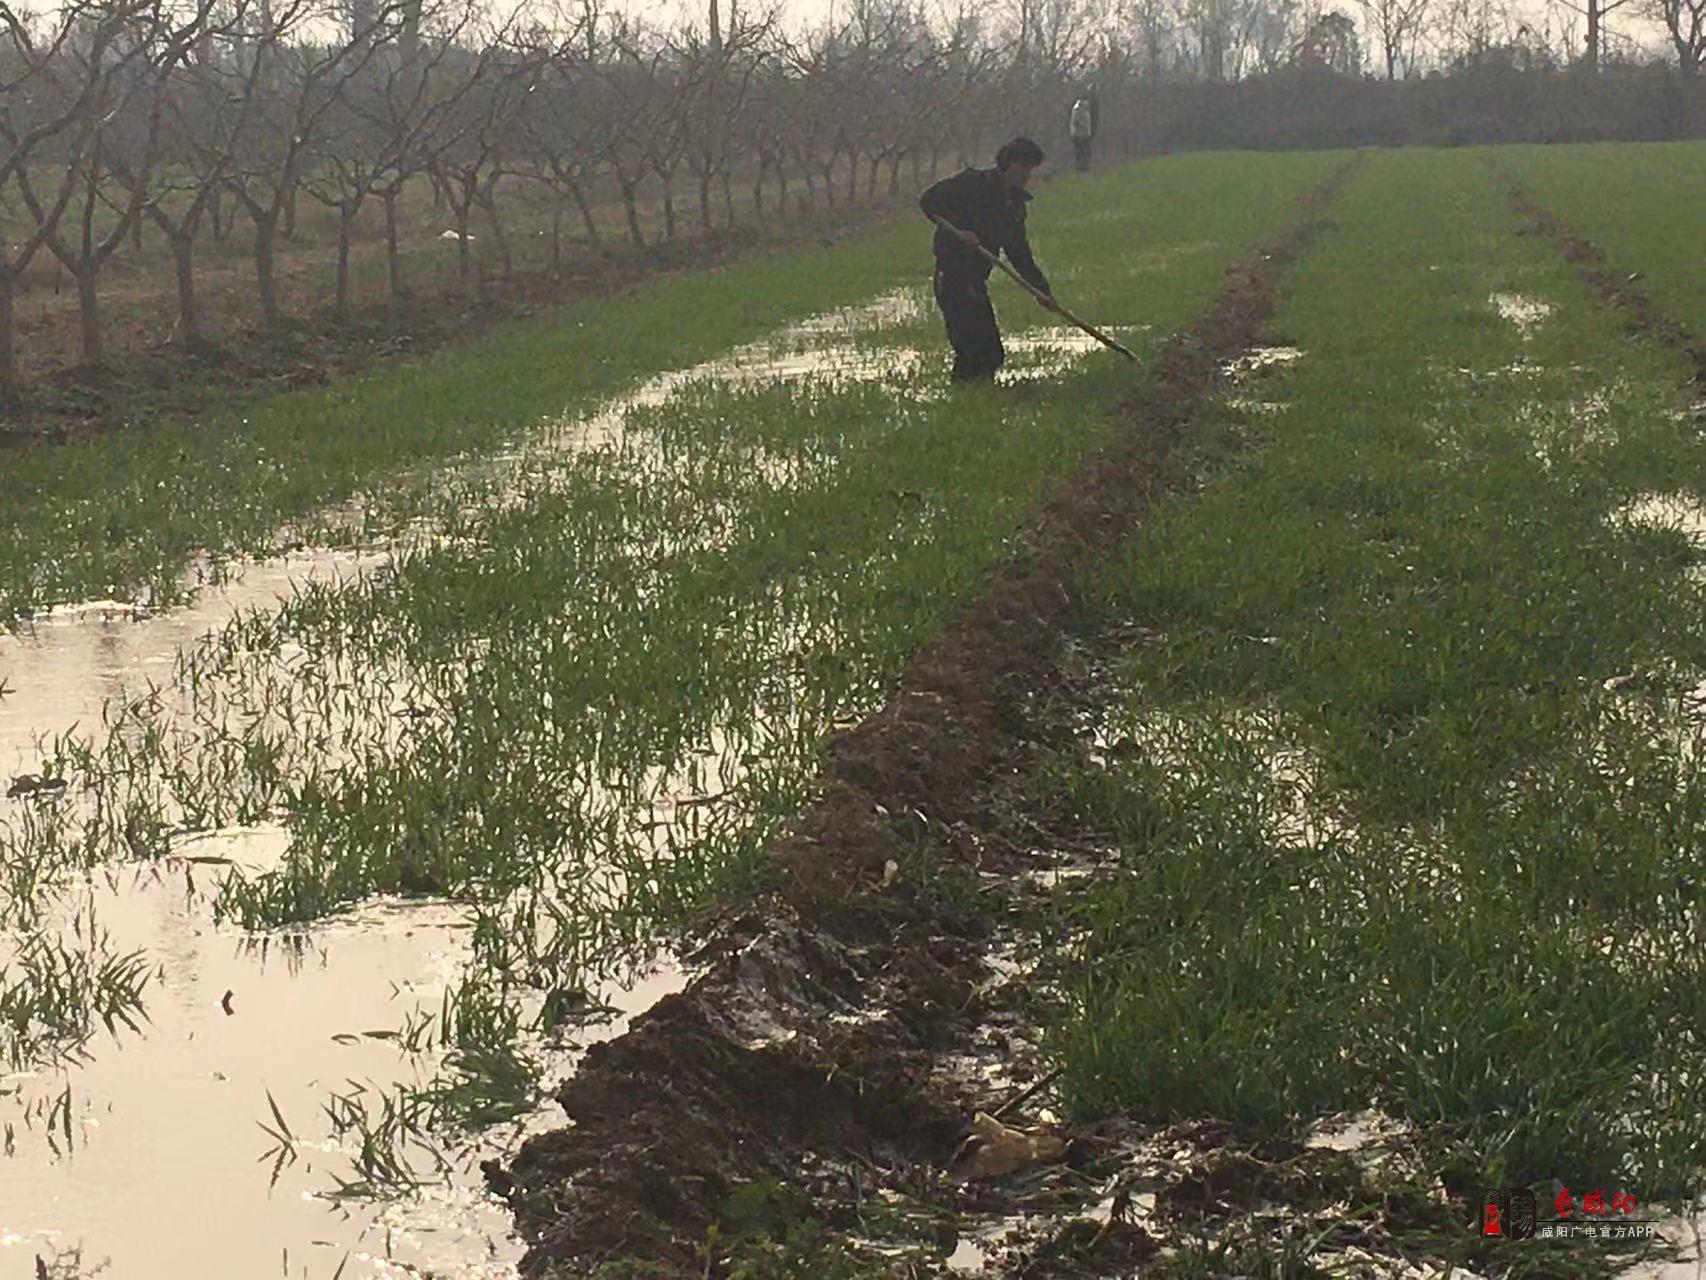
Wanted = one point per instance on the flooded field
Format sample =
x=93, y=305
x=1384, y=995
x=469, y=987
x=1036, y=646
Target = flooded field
x=1223, y=816
x=265, y=1070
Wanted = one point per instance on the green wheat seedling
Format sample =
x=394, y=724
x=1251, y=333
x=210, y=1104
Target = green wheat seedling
x=591, y=686
x=1406, y=776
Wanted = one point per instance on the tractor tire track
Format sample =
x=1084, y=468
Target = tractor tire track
x=1644, y=317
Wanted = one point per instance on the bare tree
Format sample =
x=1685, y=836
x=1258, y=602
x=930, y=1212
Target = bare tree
x=207, y=100
x=87, y=88
x=373, y=136
x=719, y=74
x=1397, y=25
x=298, y=85
x=45, y=102
x=1469, y=28
x=558, y=139
x=470, y=154
x=1685, y=22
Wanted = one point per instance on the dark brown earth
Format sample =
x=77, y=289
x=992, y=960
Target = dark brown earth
x=809, y=1051
x=1645, y=318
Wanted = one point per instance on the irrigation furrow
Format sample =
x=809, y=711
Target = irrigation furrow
x=815, y=1054
x=1623, y=289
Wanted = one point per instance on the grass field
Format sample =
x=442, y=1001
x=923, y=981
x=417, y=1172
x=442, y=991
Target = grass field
x=1402, y=768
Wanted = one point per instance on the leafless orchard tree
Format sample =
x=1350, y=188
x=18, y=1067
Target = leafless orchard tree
x=206, y=100
x=299, y=84
x=558, y=138
x=42, y=107
x=721, y=72
x=473, y=151
x=85, y=93
x=380, y=125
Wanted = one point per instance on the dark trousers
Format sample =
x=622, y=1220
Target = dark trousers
x=970, y=317
x=1081, y=152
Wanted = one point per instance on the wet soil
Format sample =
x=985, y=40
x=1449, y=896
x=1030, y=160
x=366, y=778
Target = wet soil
x=1645, y=318
x=845, y=1029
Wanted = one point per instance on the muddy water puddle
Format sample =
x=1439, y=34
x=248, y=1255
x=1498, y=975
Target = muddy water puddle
x=1677, y=512
x=59, y=669
x=155, y=1161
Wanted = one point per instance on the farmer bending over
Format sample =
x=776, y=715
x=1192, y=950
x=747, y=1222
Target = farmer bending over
x=987, y=207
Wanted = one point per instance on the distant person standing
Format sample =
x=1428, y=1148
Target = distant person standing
x=1082, y=127
x=986, y=207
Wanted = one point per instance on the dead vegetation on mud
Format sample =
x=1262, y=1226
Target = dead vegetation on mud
x=847, y=1029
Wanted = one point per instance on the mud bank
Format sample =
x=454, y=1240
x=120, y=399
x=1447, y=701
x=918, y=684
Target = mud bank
x=850, y=1023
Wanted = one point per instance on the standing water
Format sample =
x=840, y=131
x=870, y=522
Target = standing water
x=149, y=1154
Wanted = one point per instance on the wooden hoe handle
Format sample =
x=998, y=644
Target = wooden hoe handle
x=1038, y=294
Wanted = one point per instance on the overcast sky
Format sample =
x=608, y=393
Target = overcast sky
x=1621, y=24
x=798, y=14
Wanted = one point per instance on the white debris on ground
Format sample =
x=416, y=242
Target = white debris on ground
x=1522, y=311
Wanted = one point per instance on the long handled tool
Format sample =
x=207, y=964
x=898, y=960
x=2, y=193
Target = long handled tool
x=1040, y=296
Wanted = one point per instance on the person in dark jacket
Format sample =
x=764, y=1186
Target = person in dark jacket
x=986, y=207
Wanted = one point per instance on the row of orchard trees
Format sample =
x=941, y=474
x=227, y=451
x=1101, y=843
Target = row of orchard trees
x=180, y=118
x=124, y=116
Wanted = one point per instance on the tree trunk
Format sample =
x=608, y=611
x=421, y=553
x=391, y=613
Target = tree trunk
x=464, y=260
x=728, y=198
x=585, y=207
x=705, y=204
x=393, y=261
x=852, y=177
x=266, y=232
x=894, y=174
x=8, y=340
x=290, y=214
x=917, y=170
x=631, y=206
x=668, y=210
x=89, y=313
x=490, y=204
x=758, y=193
x=183, y=251
x=346, y=217
x=1593, y=35
x=871, y=181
